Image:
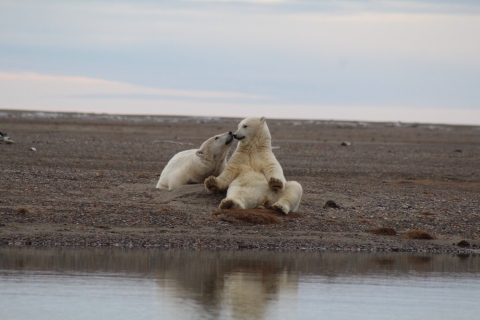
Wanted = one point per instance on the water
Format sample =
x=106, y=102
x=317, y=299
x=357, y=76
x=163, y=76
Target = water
x=151, y=284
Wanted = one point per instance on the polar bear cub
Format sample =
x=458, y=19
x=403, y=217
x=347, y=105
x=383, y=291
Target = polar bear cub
x=253, y=176
x=193, y=166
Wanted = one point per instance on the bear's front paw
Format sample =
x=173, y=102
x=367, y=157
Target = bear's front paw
x=275, y=184
x=211, y=184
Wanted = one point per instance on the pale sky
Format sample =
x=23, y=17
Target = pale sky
x=409, y=61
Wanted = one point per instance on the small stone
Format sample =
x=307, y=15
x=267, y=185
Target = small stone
x=345, y=143
x=331, y=204
x=33, y=149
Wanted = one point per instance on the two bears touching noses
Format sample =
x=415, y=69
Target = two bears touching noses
x=253, y=177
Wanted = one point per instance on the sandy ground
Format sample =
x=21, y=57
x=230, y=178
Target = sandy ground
x=91, y=182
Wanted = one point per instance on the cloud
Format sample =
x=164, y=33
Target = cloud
x=387, y=29
x=54, y=87
x=31, y=91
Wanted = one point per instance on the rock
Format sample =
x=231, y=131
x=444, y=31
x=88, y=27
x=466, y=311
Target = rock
x=345, y=143
x=463, y=244
x=331, y=204
x=33, y=149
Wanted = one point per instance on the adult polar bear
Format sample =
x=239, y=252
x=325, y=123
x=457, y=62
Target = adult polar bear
x=253, y=176
x=193, y=166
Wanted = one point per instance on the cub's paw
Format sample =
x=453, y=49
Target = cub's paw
x=211, y=184
x=275, y=184
x=227, y=204
x=280, y=208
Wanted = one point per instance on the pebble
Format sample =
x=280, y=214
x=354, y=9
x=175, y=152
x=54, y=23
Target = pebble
x=331, y=204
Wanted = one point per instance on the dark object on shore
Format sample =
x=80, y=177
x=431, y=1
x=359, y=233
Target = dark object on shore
x=427, y=213
x=418, y=235
x=331, y=204
x=254, y=216
x=345, y=143
x=251, y=216
x=383, y=231
x=23, y=211
x=463, y=244
x=458, y=150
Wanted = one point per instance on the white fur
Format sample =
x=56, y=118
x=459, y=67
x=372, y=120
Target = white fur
x=193, y=166
x=253, y=176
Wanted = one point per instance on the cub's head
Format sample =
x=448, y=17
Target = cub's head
x=252, y=129
x=216, y=147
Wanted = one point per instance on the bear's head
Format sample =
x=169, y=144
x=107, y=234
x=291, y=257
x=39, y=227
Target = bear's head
x=216, y=148
x=253, y=131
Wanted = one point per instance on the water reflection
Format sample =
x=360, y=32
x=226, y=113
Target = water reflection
x=239, y=284
x=204, y=264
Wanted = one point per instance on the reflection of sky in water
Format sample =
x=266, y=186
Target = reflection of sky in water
x=105, y=296
x=369, y=60
x=390, y=298
x=150, y=284
x=55, y=296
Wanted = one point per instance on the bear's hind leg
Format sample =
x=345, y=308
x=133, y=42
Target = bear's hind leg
x=290, y=198
x=277, y=206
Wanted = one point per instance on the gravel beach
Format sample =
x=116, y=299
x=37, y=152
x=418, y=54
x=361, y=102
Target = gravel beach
x=84, y=180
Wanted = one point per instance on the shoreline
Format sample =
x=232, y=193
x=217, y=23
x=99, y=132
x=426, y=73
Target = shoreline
x=91, y=183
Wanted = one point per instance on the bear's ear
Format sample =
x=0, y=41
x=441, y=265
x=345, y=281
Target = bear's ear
x=263, y=119
x=200, y=153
